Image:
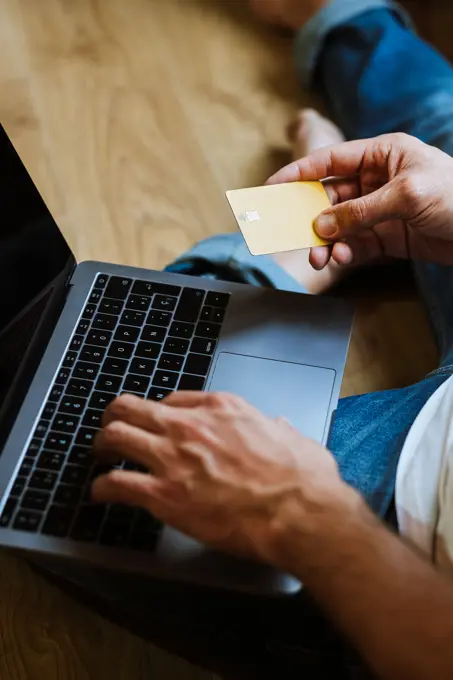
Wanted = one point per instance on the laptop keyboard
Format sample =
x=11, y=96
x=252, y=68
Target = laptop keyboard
x=134, y=336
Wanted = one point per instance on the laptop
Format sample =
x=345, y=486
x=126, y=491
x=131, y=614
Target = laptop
x=73, y=337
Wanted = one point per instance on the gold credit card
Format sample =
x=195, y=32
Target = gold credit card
x=279, y=217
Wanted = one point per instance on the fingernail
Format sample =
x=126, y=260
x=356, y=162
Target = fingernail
x=326, y=225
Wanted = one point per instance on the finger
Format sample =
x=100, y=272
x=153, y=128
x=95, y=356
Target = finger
x=187, y=399
x=337, y=160
x=130, y=488
x=143, y=413
x=319, y=257
x=343, y=254
x=361, y=213
x=132, y=443
x=340, y=190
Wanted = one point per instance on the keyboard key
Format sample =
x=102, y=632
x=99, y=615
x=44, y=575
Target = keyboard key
x=72, y=405
x=191, y=382
x=26, y=467
x=208, y=330
x=101, y=281
x=83, y=369
x=104, y=322
x=95, y=296
x=88, y=523
x=65, y=423
x=85, y=436
x=157, y=393
x=70, y=359
x=212, y=314
x=142, y=366
x=74, y=474
x=27, y=520
x=101, y=338
x=51, y=461
x=67, y=495
x=33, y=448
x=136, y=383
x=115, y=366
x=108, y=383
x=58, y=442
x=58, y=521
x=171, y=362
x=149, y=288
x=138, y=302
x=153, y=334
x=35, y=500
x=179, y=329
x=49, y=410
x=133, y=318
x=122, y=350
x=101, y=400
x=111, y=306
x=143, y=288
x=56, y=393
x=81, y=456
x=8, y=512
x=92, y=353
x=189, y=305
x=127, y=333
x=92, y=418
x=82, y=326
x=176, y=346
x=76, y=343
x=79, y=388
x=62, y=376
x=157, y=318
x=148, y=350
x=164, y=302
x=114, y=534
x=217, y=299
x=41, y=479
x=118, y=288
x=18, y=486
x=41, y=429
x=203, y=346
x=89, y=312
x=165, y=379
x=197, y=363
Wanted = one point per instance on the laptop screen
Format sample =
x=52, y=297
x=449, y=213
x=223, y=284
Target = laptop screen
x=33, y=256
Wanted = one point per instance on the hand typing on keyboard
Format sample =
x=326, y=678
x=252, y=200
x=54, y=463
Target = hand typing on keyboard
x=223, y=472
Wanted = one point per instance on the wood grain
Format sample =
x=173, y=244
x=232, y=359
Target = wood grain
x=134, y=118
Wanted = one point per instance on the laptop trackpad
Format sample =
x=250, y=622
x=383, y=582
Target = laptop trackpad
x=278, y=388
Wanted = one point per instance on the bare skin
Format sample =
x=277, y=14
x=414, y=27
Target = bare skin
x=231, y=477
x=290, y=14
x=308, y=132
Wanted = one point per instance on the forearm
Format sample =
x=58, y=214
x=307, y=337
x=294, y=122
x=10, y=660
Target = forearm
x=393, y=605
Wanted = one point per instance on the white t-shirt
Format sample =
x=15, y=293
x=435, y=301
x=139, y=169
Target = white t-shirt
x=424, y=480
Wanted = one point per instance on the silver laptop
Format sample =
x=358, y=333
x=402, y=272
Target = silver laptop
x=72, y=337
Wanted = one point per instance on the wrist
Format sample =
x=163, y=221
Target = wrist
x=308, y=532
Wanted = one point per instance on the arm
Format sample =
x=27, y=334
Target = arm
x=392, y=604
x=231, y=477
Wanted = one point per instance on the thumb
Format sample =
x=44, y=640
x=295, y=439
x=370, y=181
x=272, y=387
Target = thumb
x=347, y=218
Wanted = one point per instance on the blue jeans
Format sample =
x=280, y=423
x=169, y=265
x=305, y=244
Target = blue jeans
x=376, y=76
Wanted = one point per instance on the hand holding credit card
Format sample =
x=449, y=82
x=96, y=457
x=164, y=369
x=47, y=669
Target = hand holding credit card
x=279, y=217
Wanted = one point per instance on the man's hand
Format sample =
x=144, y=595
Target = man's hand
x=223, y=472
x=392, y=196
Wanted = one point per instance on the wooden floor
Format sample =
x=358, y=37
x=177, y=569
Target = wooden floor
x=134, y=118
